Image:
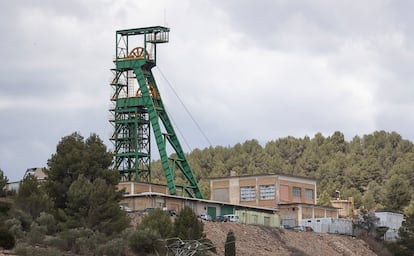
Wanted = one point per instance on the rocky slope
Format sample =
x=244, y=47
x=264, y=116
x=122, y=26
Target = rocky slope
x=259, y=240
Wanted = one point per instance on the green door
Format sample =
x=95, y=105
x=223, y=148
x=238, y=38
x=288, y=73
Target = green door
x=226, y=209
x=212, y=212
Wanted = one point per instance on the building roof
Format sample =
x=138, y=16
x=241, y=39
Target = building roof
x=152, y=194
x=305, y=204
x=264, y=175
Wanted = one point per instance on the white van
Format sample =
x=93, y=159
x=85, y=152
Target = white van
x=232, y=218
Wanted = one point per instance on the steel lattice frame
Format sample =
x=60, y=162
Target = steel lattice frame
x=137, y=106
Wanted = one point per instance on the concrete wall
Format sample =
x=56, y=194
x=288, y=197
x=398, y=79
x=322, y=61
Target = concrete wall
x=304, y=211
x=391, y=220
x=329, y=225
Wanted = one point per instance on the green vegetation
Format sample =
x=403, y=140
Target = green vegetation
x=187, y=226
x=158, y=221
x=7, y=239
x=406, y=234
x=376, y=169
x=3, y=183
x=157, y=232
x=75, y=211
x=230, y=246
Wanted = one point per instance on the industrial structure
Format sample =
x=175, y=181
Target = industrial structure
x=138, y=107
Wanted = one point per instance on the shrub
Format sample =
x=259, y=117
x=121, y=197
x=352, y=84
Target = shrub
x=79, y=241
x=15, y=227
x=24, y=218
x=144, y=242
x=159, y=221
x=187, y=226
x=230, y=246
x=4, y=207
x=27, y=250
x=7, y=240
x=47, y=220
x=37, y=234
x=114, y=247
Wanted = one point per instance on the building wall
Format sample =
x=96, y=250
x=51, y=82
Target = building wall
x=289, y=216
x=263, y=190
x=258, y=218
x=137, y=203
x=134, y=188
x=329, y=225
x=288, y=186
x=293, y=214
x=246, y=216
x=346, y=206
x=391, y=220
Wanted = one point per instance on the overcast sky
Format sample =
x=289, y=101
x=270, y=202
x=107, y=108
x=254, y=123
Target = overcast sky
x=244, y=69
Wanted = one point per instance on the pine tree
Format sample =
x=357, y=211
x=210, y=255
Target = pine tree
x=159, y=221
x=187, y=226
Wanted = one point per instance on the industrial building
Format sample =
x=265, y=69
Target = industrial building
x=141, y=196
x=294, y=197
x=269, y=190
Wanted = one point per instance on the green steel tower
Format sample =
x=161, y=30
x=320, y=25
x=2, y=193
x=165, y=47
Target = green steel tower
x=137, y=106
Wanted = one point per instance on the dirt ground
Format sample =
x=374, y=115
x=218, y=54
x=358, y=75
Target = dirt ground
x=259, y=240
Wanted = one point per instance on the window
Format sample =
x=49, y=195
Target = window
x=267, y=192
x=296, y=192
x=308, y=194
x=247, y=193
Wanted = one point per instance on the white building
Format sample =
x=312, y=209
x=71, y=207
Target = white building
x=391, y=220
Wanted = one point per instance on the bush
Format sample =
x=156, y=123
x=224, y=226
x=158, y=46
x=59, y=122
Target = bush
x=4, y=207
x=15, y=226
x=81, y=241
x=37, y=234
x=159, y=221
x=47, y=220
x=114, y=247
x=7, y=240
x=144, y=242
x=24, y=218
x=230, y=245
x=27, y=250
x=187, y=226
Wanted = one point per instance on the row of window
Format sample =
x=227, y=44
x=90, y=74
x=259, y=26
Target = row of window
x=297, y=193
x=267, y=192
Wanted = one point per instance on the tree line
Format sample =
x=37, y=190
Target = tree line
x=377, y=169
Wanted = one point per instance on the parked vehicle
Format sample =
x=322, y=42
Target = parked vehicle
x=125, y=208
x=303, y=228
x=232, y=218
x=206, y=217
x=309, y=229
x=299, y=228
x=221, y=219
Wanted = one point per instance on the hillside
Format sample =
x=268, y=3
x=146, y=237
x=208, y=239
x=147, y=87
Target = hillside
x=260, y=240
x=375, y=169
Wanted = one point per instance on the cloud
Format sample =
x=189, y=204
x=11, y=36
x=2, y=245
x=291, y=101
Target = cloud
x=244, y=70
